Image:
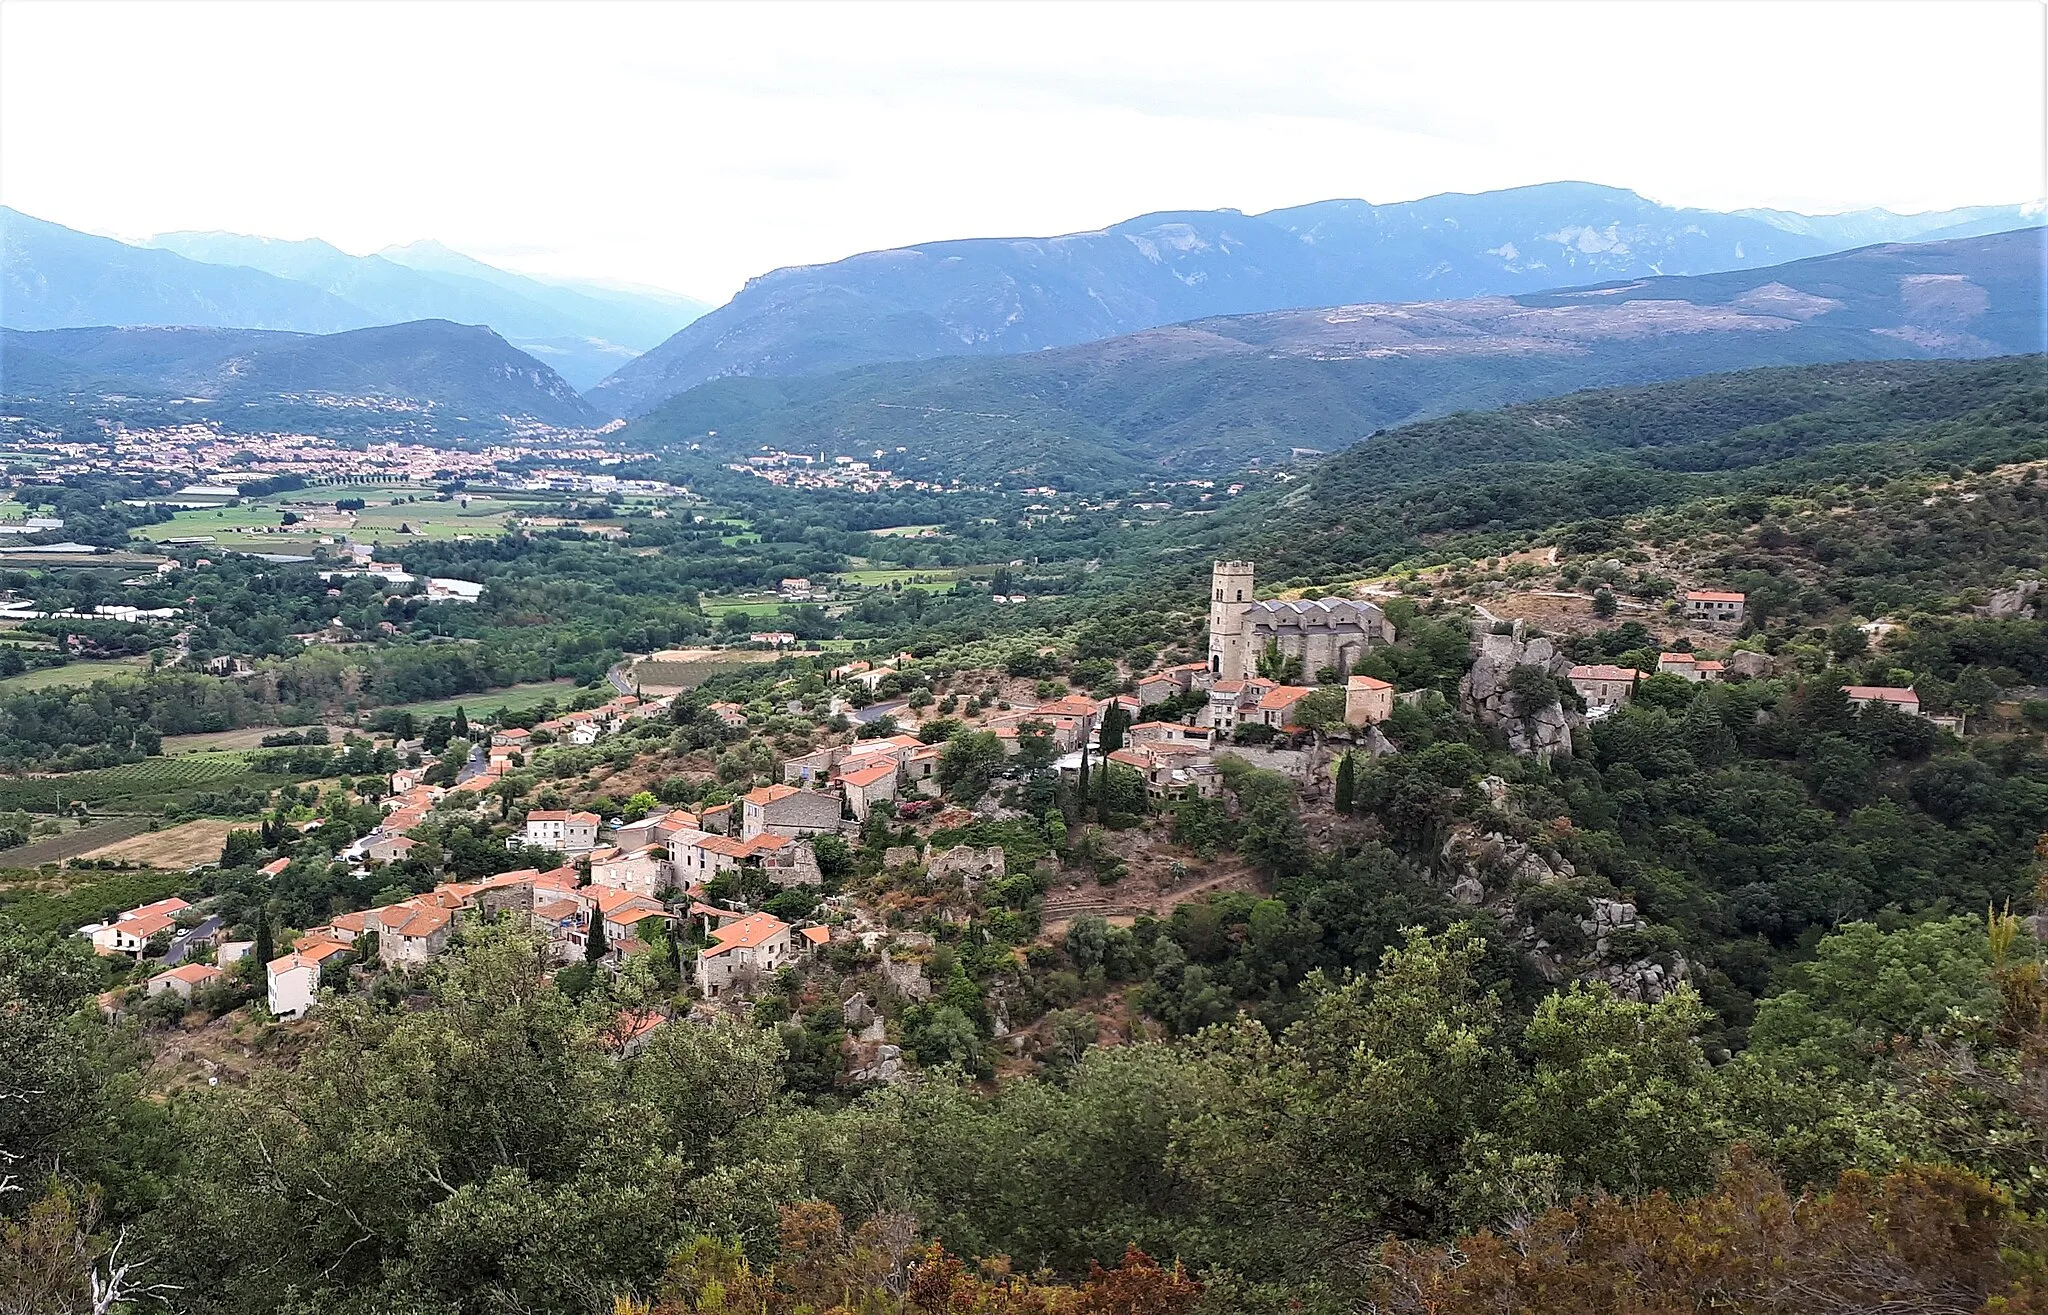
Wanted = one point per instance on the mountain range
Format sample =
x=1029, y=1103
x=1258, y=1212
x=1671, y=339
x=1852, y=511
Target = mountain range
x=56, y=277
x=426, y=376
x=987, y=296
x=1209, y=396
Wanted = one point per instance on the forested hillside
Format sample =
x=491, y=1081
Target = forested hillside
x=1213, y=396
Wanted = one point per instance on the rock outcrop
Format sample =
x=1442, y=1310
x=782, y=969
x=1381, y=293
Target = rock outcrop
x=1495, y=695
x=2020, y=600
x=1749, y=665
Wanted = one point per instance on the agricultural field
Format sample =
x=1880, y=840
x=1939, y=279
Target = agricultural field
x=675, y=670
x=906, y=531
x=930, y=577
x=254, y=525
x=148, y=783
x=763, y=605
x=248, y=737
x=516, y=698
x=65, y=901
x=74, y=673
x=77, y=843
x=174, y=848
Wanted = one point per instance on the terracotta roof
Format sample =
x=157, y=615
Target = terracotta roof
x=753, y=930
x=1603, y=671
x=1366, y=682
x=146, y=926
x=1882, y=693
x=1283, y=696
x=349, y=921
x=817, y=935
x=768, y=794
x=193, y=974
x=1676, y=657
x=154, y=909
x=412, y=920
x=1171, y=726
x=1131, y=758
x=274, y=866
x=1713, y=596
x=560, y=910
x=867, y=776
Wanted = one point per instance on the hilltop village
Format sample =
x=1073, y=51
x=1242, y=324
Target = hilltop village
x=815, y=835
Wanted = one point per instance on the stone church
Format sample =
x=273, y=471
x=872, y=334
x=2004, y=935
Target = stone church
x=1322, y=632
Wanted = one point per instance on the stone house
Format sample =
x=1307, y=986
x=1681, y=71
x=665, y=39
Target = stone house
x=743, y=953
x=1367, y=701
x=869, y=786
x=1602, y=685
x=1715, y=606
x=1688, y=666
x=787, y=811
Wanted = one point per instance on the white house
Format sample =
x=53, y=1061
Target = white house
x=294, y=981
x=555, y=828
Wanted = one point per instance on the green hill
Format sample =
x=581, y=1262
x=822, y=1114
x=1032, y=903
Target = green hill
x=1217, y=396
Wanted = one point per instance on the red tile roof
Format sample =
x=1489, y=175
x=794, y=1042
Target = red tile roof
x=753, y=930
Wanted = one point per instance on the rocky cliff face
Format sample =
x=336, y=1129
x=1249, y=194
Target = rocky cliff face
x=1513, y=685
x=1568, y=932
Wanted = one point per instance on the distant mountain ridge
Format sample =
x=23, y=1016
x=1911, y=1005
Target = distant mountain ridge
x=55, y=277
x=976, y=297
x=1211, y=396
x=429, y=373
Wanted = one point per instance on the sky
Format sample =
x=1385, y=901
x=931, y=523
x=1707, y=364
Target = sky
x=689, y=147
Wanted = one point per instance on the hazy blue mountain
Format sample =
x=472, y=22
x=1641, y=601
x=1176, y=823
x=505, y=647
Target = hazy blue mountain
x=1005, y=296
x=1857, y=228
x=55, y=277
x=432, y=371
x=585, y=335
x=1212, y=395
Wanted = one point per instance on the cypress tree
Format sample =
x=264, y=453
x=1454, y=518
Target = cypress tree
x=266, y=950
x=1347, y=785
x=1081, y=788
x=1112, y=732
x=594, y=947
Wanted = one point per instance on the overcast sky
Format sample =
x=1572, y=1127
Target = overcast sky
x=691, y=146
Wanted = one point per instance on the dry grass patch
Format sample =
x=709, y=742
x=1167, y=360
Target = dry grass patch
x=173, y=848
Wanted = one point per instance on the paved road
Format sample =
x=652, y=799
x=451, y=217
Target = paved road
x=874, y=712
x=617, y=676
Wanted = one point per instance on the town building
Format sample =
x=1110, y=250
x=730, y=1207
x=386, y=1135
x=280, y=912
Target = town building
x=1321, y=633
x=1906, y=700
x=787, y=811
x=743, y=953
x=1715, y=606
x=1368, y=701
x=130, y=932
x=560, y=829
x=1602, y=685
x=1688, y=666
x=182, y=980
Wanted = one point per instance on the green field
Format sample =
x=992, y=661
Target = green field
x=133, y=785
x=76, y=898
x=933, y=577
x=73, y=673
x=377, y=522
x=517, y=698
x=763, y=605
